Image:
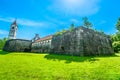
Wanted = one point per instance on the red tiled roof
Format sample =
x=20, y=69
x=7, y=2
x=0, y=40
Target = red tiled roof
x=15, y=23
x=45, y=38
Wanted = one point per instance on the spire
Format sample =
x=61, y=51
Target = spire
x=15, y=23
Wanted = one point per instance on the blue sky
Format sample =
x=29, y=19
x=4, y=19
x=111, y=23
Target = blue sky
x=45, y=17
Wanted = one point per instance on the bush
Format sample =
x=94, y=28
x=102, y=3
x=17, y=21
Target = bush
x=2, y=43
x=61, y=32
x=116, y=46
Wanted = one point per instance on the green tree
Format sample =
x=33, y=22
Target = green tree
x=64, y=31
x=61, y=32
x=116, y=37
x=72, y=27
x=116, y=46
x=2, y=43
x=86, y=23
x=58, y=33
x=118, y=25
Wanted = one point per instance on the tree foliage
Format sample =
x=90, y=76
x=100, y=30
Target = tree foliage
x=116, y=37
x=118, y=25
x=86, y=23
x=72, y=27
x=2, y=43
x=61, y=32
x=116, y=46
x=116, y=41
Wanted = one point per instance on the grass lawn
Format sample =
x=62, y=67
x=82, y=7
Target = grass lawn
x=31, y=66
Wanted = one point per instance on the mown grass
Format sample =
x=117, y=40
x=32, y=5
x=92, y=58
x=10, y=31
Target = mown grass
x=31, y=66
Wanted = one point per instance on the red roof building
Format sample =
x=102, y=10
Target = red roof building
x=44, y=38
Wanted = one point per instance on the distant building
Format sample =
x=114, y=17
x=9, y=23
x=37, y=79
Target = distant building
x=42, y=44
x=13, y=30
x=36, y=37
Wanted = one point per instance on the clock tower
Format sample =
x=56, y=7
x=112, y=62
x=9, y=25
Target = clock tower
x=13, y=30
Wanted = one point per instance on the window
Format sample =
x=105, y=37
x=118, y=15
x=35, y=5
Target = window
x=12, y=27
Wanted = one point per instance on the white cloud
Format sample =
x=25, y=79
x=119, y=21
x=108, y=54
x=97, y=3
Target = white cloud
x=74, y=20
x=75, y=7
x=55, y=21
x=30, y=22
x=24, y=22
x=8, y=19
x=3, y=32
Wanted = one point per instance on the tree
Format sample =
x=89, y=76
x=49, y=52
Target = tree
x=118, y=25
x=2, y=43
x=61, y=32
x=86, y=23
x=116, y=46
x=64, y=31
x=116, y=37
x=72, y=27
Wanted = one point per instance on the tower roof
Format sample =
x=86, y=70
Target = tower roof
x=15, y=23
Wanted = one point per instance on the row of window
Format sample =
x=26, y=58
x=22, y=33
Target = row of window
x=41, y=43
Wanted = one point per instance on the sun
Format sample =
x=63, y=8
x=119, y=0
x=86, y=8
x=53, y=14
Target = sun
x=73, y=2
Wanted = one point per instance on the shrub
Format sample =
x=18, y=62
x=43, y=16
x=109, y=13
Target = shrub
x=61, y=32
x=2, y=43
x=116, y=46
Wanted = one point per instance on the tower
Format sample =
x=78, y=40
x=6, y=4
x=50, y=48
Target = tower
x=13, y=30
x=36, y=37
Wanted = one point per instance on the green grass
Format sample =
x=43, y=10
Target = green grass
x=31, y=66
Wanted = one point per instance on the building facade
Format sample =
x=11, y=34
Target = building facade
x=42, y=44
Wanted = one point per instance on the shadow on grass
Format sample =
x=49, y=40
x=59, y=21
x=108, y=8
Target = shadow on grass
x=107, y=56
x=3, y=52
x=69, y=59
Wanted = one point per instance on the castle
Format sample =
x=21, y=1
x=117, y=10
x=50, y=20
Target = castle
x=81, y=42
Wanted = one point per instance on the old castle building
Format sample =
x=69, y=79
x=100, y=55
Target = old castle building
x=81, y=42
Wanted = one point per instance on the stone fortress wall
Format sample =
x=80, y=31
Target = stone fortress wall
x=81, y=42
x=18, y=45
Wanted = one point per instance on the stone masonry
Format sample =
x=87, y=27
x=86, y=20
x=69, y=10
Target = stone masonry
x=18, y=45
x=82, y=42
